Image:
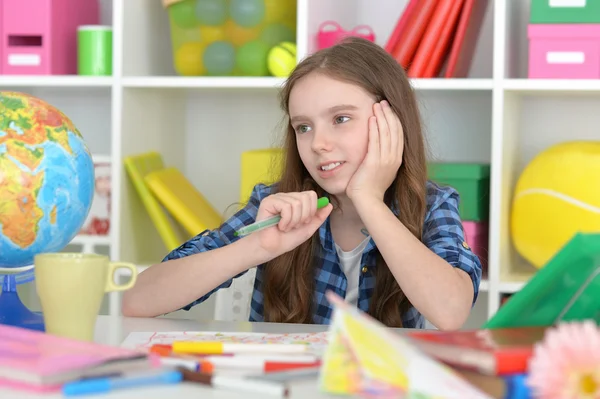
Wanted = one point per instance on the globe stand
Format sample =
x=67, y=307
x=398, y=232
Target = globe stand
x=13, y=312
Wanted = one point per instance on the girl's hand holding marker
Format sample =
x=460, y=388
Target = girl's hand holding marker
x=296, y=216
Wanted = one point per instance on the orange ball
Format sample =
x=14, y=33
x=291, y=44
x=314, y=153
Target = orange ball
x=239, y=35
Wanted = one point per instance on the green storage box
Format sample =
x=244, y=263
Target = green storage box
x=564, y=12
x=472, y=181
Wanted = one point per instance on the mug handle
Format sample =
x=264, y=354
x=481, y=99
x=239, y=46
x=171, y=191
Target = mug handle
x=112, y=267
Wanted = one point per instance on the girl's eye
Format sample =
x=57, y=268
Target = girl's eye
x=341, y=119
x=303, y=129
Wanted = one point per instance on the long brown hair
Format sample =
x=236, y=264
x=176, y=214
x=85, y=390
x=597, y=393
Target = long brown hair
x=289, y=279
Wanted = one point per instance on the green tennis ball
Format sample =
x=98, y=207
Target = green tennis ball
x=281, y=60
x=251, y=58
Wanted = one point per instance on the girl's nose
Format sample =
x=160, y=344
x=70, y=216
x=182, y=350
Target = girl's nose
x=321, y=141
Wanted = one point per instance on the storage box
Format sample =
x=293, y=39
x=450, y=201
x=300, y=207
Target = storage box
x=228, y=37
x=477, y=236
x=564, y=11
x=471, y=180
x=564, y=51
x=39, y=37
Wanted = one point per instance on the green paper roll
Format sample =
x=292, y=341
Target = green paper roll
x=94, y=50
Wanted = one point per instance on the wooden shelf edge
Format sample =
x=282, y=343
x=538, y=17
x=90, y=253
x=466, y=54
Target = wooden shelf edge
x=563, y=86
x=86, y=239
x=217, y=82
x=73, y=81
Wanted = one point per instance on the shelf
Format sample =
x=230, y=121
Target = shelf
x=203, y=82
x=494, y=115
x=484, y=286
x=276, y=83
x=84, y=239
x=510, y=288
x=452, y=84
x=55, y=81
x=552, y=86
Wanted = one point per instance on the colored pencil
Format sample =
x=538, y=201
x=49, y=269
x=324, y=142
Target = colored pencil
x=189, y=364
x=272, y=221
x=240, y=384
x=257, y=364
x=218, y=348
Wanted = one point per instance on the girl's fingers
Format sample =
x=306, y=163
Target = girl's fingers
x=291, y=213
x=285, y=210
x=393, y=125
x=308, y=201
x=300, y=208
x=310, y=198
x=384, y=131
x=373, y=147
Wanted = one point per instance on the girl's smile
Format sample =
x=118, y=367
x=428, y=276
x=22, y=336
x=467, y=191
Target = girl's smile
x=329, y=169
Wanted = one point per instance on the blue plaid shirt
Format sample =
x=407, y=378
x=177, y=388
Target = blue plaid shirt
x=442, y=233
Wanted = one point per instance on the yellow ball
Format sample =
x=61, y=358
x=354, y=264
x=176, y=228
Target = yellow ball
x=282, y=59
x=188, y=59
x=210, y=34
x=556, y=196
x=279, y=10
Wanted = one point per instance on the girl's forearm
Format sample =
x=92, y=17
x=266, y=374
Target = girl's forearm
x=442, y=293
x=168, y=286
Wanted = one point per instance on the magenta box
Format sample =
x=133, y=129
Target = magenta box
x=477, y=236
x=39, y=37
x=564, y=51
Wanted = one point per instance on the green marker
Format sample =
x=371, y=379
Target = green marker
x=263, y=224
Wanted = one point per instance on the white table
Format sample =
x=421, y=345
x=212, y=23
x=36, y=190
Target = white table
x=112, y=330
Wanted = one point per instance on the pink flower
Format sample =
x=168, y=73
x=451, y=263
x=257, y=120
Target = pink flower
x=566, y=363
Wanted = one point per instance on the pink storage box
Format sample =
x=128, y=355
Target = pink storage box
x=564, y=51
x=477, y=236
x=330, y=33
x=39, y=37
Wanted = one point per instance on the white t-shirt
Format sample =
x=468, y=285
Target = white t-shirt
x=350, y=265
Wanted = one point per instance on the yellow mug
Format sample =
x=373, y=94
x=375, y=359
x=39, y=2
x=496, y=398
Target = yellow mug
x=71, y=287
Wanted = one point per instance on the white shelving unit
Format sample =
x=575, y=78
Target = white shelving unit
x=202, y=125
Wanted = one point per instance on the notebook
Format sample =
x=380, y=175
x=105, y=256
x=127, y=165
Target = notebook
x=495, y=352
x=36, y=360
x=567, y=288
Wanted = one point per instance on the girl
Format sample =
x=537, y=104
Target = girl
x=390, y=242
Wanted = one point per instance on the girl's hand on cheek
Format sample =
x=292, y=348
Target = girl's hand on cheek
x=300, y=218
x=384, y=155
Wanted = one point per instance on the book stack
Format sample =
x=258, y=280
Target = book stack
x=494, y=361
x=38, y=362
x=437, y=38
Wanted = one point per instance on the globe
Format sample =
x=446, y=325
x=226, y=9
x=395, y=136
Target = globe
x=46, y=186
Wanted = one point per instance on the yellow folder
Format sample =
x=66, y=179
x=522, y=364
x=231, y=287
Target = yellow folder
x=183, y=201
x=137, y=167
x=259, y=166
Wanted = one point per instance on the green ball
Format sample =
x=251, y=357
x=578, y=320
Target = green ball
x=183, y=14
x=211, y=12
x=219, y=58
x=276, y=33
x=247, y=13
x=251, y=58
